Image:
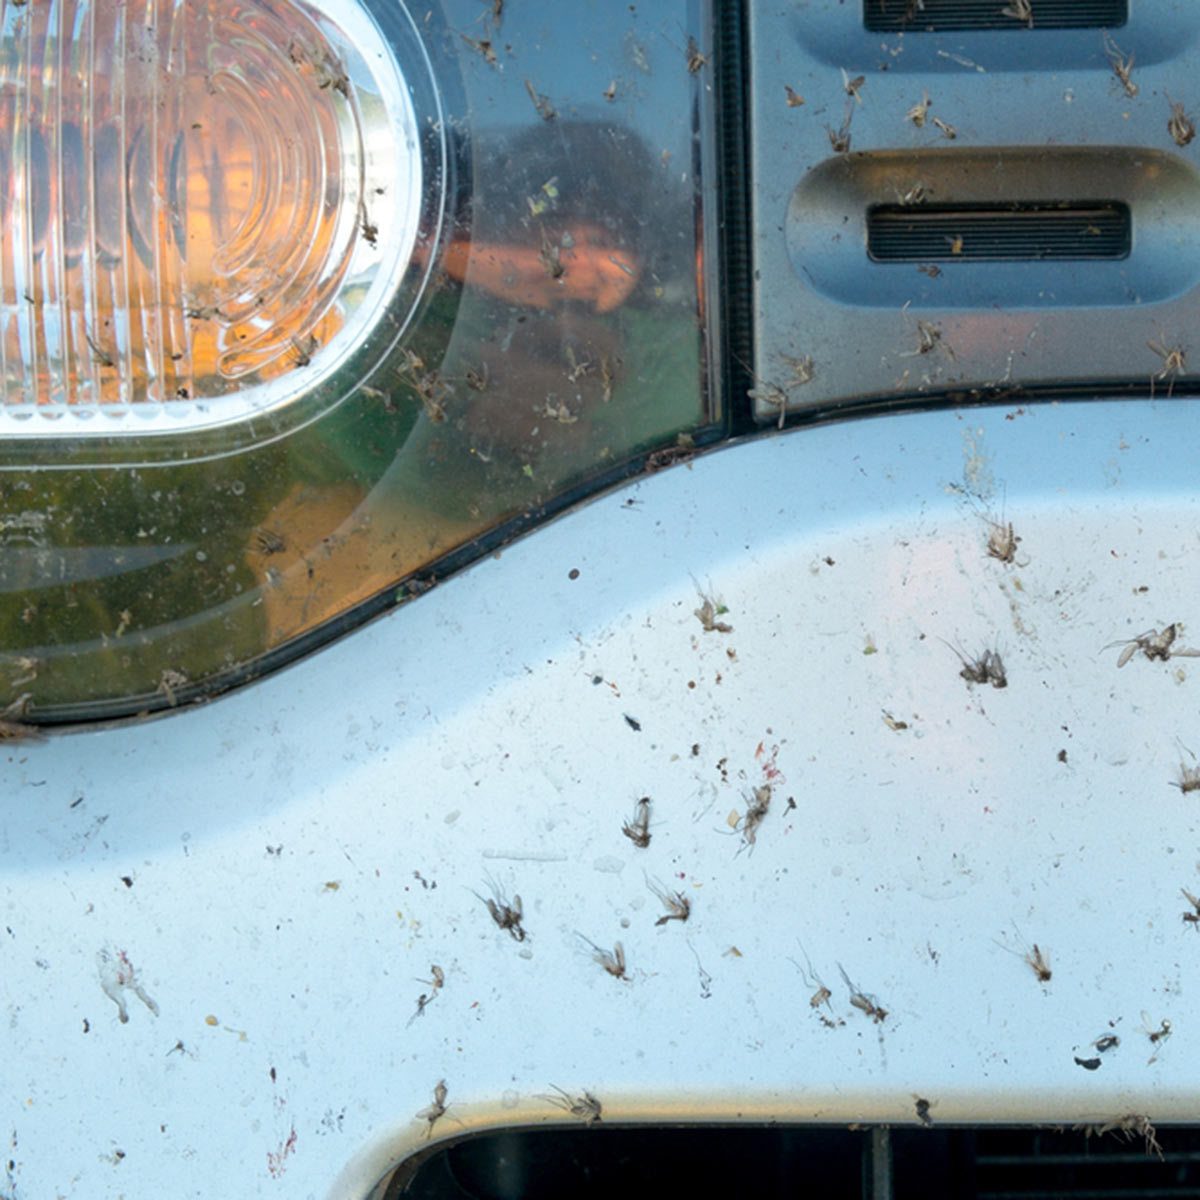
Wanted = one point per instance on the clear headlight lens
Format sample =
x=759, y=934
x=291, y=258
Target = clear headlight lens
x=190, y=227
x=303, y=299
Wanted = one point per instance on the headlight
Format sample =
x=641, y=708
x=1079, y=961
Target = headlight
x=302, y=301
x=209, y=209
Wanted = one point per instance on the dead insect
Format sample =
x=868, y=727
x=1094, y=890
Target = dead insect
x=1002, y=542
x=613, y=961
x=695, y=60
x=1038, y=963
x=853, y=86
x=678, y=906
x=507, y=914
x=1180, y=125
x=435, y=1111
x=1122, y=66
x=987, y=668
x=638, y=830
x=794, y=99
x=1154, y=645
x=483, y=46
x=839, y=139
x=1174, y=361
x=370, y=231
x=708, y=612
x=756, y=810
x=1127, y=1127
x=922, y=1107
x=930, y=269
x=610, y=92
x=268, y=542
x=1019, y=10
x=1193, y=917
x=477, y=380
x=948, y=130
x=202, y=312
x=1106, y=1042
x=916, y=194
x=919, y=111
x=684, y=448
x=304, y=348
x=541, y=103
x=801, y=368
x=101, y=355
x=550, y=256
x=19, y=731
x=168, y=681
x=1189, y=779
x=929, y=338
x=586, y=1107
x=867, y=1005
x=891, y=722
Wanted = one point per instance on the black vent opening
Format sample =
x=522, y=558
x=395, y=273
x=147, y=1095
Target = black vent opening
x=1125, y=1158
x=933, y=16
x=1033, y=232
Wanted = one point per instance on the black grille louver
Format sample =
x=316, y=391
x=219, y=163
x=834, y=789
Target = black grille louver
x=917, y=16
x=1034, y=232
x=1125, y=1158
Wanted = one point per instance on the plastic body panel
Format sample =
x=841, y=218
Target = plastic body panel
x=282, y=868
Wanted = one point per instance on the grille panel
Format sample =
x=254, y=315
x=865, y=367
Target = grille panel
x=934, y=16
x=1008, y=233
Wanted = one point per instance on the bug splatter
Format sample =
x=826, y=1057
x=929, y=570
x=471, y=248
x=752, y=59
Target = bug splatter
x=118, y=976
x=1192, y=918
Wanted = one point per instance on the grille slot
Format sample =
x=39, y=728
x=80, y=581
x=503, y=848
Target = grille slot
x=1034, y=232
x=933, y=16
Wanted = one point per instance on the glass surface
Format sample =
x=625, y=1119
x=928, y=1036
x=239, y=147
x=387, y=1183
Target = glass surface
x=186, y=210
x=549, y=329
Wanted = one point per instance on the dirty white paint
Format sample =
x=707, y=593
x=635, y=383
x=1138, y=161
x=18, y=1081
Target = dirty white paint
x=264, y=883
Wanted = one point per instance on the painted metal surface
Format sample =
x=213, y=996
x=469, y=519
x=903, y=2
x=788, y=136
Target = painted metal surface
x=264, y=886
